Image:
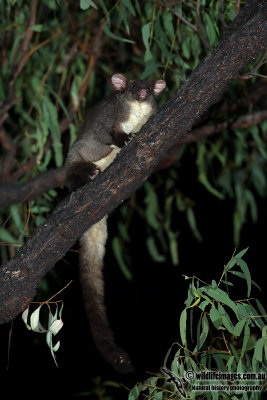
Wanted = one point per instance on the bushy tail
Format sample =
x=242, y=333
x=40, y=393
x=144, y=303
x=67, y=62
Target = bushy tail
x=91, y=274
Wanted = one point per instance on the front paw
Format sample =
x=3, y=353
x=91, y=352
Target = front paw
x=80, y=173
x=128, y=138
x=121, y=139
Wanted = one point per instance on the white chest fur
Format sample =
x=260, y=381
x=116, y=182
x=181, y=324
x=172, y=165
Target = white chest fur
x=138, y=116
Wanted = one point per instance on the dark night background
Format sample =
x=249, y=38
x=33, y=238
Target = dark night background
x=69, y=61
x=144, y=313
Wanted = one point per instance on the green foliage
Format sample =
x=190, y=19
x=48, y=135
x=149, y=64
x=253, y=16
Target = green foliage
x=155, y=41
x=146, y=40
x=222, y=341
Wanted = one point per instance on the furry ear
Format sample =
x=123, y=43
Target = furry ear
x=119, y=81
x=159, y=85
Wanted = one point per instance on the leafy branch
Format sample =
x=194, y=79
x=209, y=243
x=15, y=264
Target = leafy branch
x=221, y=320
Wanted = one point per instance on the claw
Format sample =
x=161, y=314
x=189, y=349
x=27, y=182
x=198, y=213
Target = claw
x=96, y=172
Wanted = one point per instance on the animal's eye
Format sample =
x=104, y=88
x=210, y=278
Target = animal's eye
x=133, y=86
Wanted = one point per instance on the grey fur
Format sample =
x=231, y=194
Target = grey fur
x=106, y=129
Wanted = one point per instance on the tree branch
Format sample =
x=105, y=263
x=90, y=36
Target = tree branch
x=32, y=189
x=244, y=121
x=244, y=39
x=12, y=193
x=241, y=122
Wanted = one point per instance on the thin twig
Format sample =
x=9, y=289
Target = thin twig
x=249, y=74
x=92, y=61
x=226, y=344
x=193, y=27
x=26, y=223
x=24, y=168
x=167, y=5
x=95, y=53
x=68, y=57
x=9, y=343
x=221, y=14
x=200, y=28
x=5, y=140
x=26, y=42
x=244, y=121
x=11, y=149
x=6, y=107
x=37, y=47
x=237, y=7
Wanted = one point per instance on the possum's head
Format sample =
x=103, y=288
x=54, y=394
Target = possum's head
x=137, y=89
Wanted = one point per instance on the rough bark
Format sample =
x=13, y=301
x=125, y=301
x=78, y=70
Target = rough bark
x=244, y=40
x=32, y=189
x=12, y=193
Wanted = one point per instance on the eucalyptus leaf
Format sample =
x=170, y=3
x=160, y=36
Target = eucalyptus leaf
x=227, y=324
x=37, y=28
x=35, y=321
x=203, y=305
x=86, y=4
x=258, y=352
x=129, y=6
x=209, y=26
x=245, y=339
x=205, y=331
x=246, y=273
x=134, y=393
x=173, y=245
x=24, y=317
x=153, y=250
x=116, y=37
x=152, y=206
x=7, y=237
x=239, y=327
x=261, y=309
x=55, y=327
x=168, y=24
x=221, y=296
x=264, y=336
x=192, y=223
x=183, y=319
x=215, y=317
x=118, y=253
x=229, y=363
